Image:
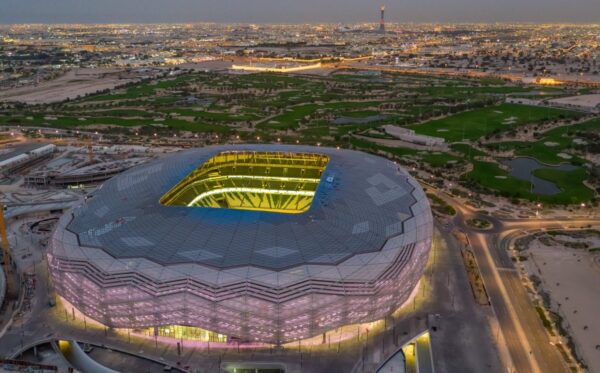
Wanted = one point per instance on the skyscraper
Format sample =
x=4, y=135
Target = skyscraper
x=382, y=20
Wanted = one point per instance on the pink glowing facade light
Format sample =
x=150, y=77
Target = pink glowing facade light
x=270, y=305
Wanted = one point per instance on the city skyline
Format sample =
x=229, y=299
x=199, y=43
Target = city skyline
x=266, y=11
x=300, y=186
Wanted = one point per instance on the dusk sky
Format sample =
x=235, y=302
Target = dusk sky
x=296, y=11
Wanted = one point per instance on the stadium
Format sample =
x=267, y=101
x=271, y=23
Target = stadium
x=266, y=243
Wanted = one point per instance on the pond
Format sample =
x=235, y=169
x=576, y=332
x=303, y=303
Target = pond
x=522, y=168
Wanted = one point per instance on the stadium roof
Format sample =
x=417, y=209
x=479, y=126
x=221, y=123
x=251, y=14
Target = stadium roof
x=11, y=152
x=360, y=203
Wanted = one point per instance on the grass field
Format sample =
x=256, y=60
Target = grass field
x=295, y=114
x=141, y=90
x=359, y=114
x=315, y=132
x=76, y=122
x=433, y=159
x=492, y=177
x=467, y=150
x=118, y=113
x=552, y=143
x=210, y=115
x=461, y=92
x=472, y=125
x=291, y=118
x=299, y=108
x=571, y=184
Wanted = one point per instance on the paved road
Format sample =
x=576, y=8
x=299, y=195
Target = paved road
x=466, y=330
x=525, y=336
x=463, y=341
x=513, y=335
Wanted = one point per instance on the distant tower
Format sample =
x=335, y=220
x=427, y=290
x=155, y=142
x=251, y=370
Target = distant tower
x=382, y=20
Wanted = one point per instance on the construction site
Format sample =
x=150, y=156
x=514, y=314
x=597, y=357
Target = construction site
x=41, y=179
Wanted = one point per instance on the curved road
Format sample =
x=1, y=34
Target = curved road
x=526, y=338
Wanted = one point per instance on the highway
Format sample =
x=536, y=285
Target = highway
x=523, y=334
x=526, y=338
x=447, y=295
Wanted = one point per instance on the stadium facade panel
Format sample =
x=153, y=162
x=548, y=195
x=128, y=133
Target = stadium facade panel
x=249, y=257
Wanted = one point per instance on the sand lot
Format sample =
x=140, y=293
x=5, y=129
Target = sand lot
x=572, y=277
x=74, y=83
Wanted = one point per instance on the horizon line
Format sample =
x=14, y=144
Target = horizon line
x=538, y=23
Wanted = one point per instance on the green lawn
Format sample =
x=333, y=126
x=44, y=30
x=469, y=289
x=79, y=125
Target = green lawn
x=537, y=150
x=463, y=92
x=359, y=114
x=474, y=124
x=73, y=122
x=492, y=177
x=433, y=159
x=552, y=143
x=116, y=113
x=557, y=141
x=142, y=90
x=315, y=133
x=291, y=118
x=467, y=150
x=268, y=80
x=196, y=127
x=570, y=183
x=211, y=115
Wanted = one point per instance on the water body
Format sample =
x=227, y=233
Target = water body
x=522, y=168
x=363, y=120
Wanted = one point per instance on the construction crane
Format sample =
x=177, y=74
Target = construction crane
x=90, y=150
x=5, y=243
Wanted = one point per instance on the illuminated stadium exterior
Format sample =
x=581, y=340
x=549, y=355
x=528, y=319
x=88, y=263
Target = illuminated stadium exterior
x=269, y=243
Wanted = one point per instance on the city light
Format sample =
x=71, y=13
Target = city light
x=413, y=191
x=282, y=182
